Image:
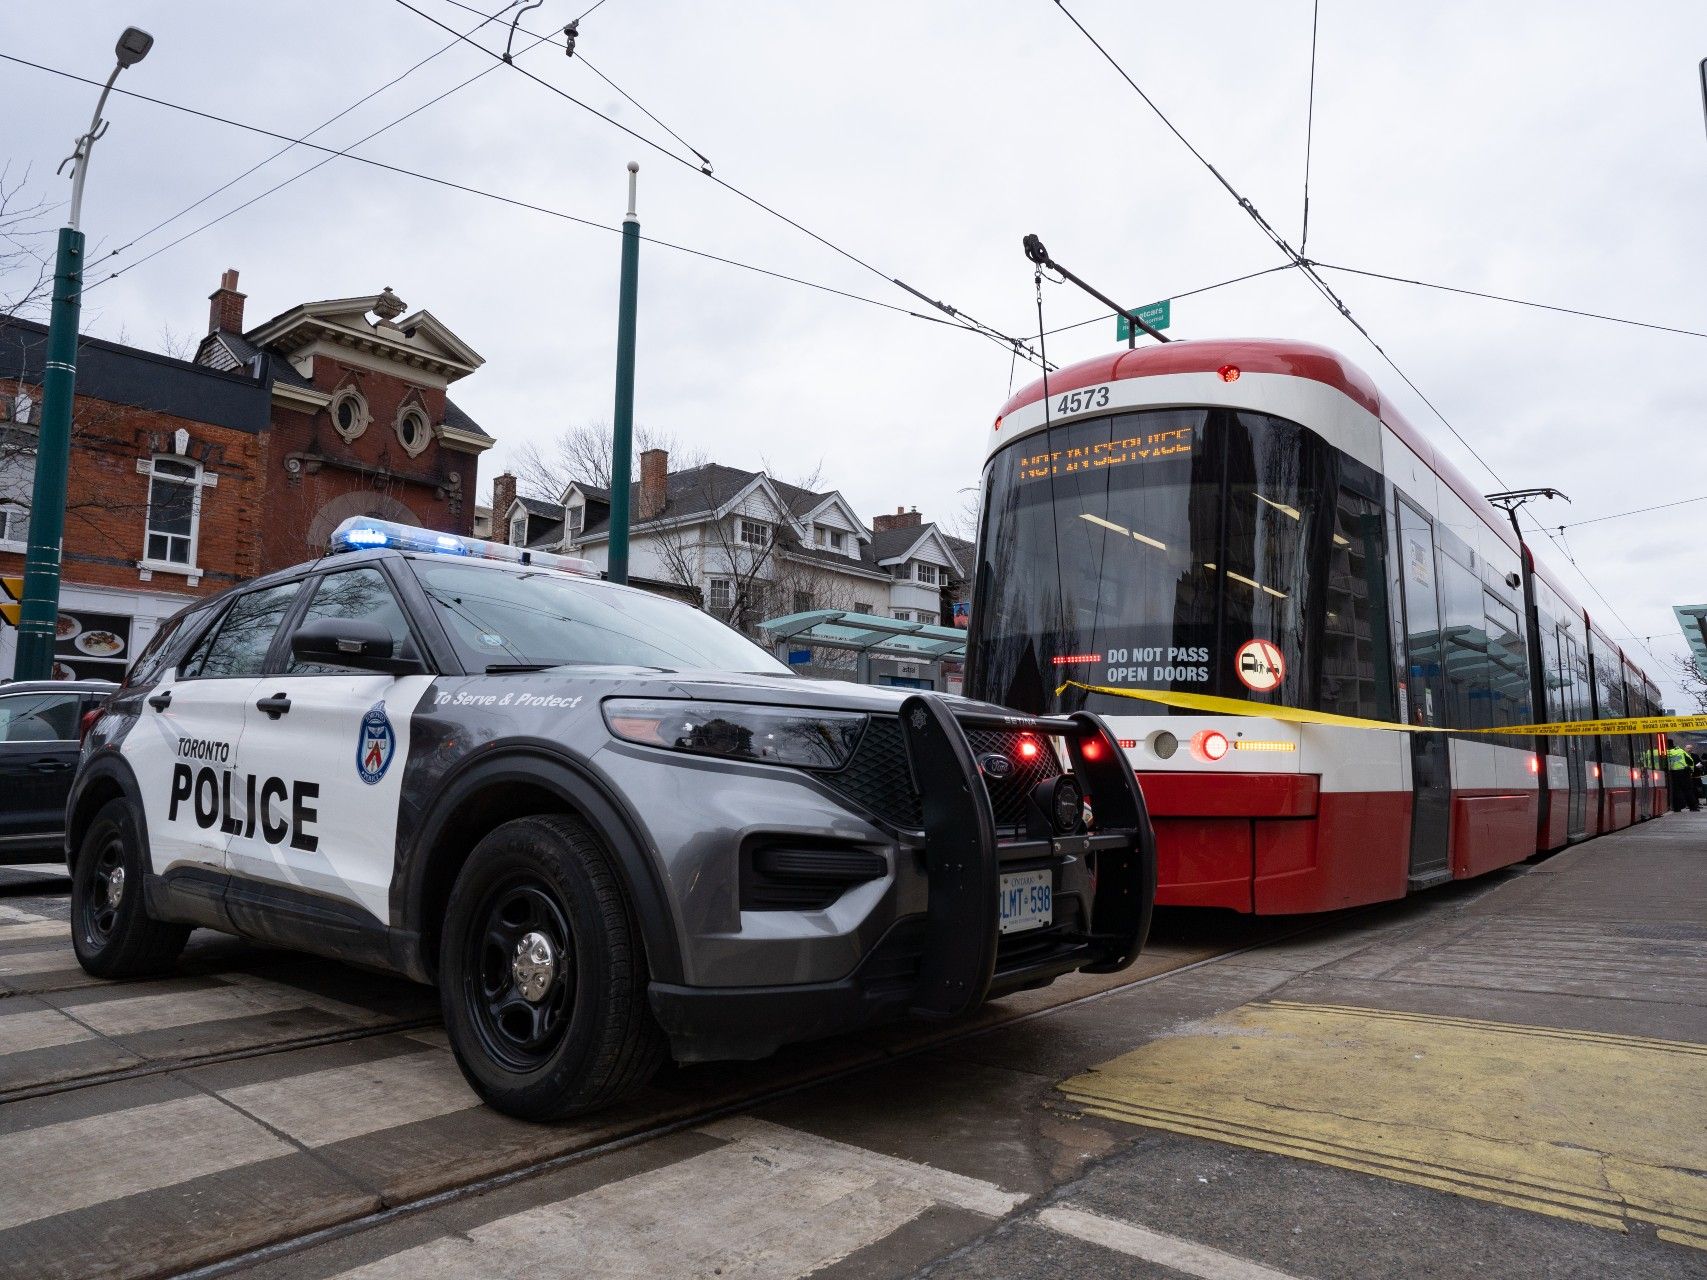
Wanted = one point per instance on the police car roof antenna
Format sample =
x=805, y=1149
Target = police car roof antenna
x=1037, y=253
x=1512, y=499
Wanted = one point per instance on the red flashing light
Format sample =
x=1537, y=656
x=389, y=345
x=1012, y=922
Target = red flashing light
x=1091, y=749
x=1209, y=745
x=1535, y=764
x=1229, y=372
x=1028, y=749
x=1594, y=769
x=1074, y=659
x=998, y=422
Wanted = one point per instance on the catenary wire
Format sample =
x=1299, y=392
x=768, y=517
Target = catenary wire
x=1309, y=127
x=1520, y=302
x=1639, y=511
x=1310, y=273
x=317, y=165
x=1293, y=257
x=558, y=42
x=326, y=123
x=466, y=189
x=1175, y=297
x=962, y=318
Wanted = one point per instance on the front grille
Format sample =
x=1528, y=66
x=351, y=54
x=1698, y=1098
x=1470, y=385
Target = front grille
x=877, y=778
x=1009, y=795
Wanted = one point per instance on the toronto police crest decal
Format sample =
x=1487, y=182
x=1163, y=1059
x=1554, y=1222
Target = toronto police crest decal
x=375, y=745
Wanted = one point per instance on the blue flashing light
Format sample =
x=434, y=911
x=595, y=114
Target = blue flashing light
x=363, y=533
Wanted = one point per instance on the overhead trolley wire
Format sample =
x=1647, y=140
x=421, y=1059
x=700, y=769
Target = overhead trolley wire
x=1175, y=297
x=1310, y=273
x=1520, y=302
x=1639, y=511
x=1294, y=258
x=1309, y=127
x=343, y=152
x=466, y=189
x=330, y=120
x=960, y=317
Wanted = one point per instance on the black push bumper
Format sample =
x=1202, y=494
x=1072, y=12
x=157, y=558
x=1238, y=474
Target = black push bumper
x=947, y=962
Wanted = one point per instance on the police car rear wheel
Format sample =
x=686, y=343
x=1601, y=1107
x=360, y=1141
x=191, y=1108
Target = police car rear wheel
x=542, y=976
x=111, y=931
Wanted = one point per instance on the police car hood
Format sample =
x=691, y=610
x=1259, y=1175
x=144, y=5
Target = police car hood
x=778, y=691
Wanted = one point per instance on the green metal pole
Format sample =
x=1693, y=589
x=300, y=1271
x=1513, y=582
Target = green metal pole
x=39, y=614
x=622, y=438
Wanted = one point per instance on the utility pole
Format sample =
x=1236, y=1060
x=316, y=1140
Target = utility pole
x=622, y=439
x=38, y=615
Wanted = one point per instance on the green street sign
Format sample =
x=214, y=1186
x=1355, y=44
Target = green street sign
x=1156, y=315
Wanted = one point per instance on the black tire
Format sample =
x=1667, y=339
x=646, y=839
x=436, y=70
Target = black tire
x=111, y=930
x=589, y=1038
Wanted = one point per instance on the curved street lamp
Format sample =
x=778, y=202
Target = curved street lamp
x=38, y=614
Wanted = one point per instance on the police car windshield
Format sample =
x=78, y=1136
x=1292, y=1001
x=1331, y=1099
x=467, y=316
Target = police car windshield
x=541, y=618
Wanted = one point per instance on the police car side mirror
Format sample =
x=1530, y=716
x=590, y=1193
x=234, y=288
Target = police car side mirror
x=349, y=642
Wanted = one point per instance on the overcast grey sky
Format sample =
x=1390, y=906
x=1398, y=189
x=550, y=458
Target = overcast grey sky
x=1549, y=150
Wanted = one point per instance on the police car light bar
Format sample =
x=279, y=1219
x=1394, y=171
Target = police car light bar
x=364, y=533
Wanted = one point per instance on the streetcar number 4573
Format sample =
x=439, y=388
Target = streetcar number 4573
x=1083, y=401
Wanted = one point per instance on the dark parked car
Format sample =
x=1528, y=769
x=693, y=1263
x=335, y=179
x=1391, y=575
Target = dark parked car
x=39, y=740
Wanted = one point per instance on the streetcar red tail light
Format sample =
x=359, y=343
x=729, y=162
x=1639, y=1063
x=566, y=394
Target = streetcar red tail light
x=1594, y=769
x=1209, y=745
x=1229, y=372
x=1091, y=749
x=1535, y=764
x=1028, y=749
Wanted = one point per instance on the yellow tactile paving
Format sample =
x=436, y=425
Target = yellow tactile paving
x=1598, y=1128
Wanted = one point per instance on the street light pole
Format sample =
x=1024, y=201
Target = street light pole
x=622, y=436
x=38, y=615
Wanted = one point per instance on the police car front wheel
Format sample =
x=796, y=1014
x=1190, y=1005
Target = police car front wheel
x=542, y=976
x=111, y=931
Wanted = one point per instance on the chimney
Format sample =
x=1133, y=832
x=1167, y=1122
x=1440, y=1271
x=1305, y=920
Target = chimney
x=226, y=312
x=902, y=519
x=654, y=483
x=503, y=494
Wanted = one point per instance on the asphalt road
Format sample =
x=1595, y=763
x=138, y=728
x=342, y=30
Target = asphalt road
x=1388, y=1091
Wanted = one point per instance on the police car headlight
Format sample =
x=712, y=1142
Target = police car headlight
x=803, y=738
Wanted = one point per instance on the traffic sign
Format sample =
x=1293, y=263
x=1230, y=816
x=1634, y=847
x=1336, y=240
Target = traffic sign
x=1156, y=315
x=12, y=605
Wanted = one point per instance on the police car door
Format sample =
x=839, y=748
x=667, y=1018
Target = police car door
x=335, y=739
x=185, y=748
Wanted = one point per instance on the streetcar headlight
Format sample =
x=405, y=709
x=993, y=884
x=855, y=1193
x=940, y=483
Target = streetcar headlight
x=802, y=737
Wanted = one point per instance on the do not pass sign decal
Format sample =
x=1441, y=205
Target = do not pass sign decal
x=1260, y=666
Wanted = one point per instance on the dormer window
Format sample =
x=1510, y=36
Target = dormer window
x=349, y=412
x=832, y=539
x=519, y=529
x=575, y=519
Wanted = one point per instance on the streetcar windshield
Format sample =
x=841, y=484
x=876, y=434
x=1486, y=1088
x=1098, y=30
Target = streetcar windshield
x=1182, y=549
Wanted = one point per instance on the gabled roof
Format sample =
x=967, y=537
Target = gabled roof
x=892, y=546
x=699, y=493
x=864, y=566
x=420, y=340
x=536, y=507
x=824, y=501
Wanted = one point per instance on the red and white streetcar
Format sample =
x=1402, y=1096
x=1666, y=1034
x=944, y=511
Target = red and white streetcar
x=1253, y=519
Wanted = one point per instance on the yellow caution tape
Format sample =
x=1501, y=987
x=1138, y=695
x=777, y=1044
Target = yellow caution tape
x=1241, y=707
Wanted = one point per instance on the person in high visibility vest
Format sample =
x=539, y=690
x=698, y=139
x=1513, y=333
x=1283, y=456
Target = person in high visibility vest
x=1680, y=780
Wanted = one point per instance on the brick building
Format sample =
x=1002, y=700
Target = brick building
x=189, y=476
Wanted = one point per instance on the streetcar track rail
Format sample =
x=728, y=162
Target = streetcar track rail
x=531, y=1169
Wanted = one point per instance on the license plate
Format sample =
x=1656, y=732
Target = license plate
x=1026, y=900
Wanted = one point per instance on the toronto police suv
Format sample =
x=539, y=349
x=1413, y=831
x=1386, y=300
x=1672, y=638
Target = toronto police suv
x=605, y=824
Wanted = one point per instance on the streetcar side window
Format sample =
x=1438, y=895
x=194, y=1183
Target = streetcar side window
x=1465, y=641
x=1352, y=677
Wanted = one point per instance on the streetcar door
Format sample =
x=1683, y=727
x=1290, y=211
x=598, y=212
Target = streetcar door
x=1575, y=679
x=1423, y=701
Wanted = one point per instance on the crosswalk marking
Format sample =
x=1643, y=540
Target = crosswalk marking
x=1185, y=1256
x=22, y=962
x=27, y=930
x=78, y=1163
x=329, y=1106
x=128, y=1015
x=39, y=1029
x=772, y=1204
